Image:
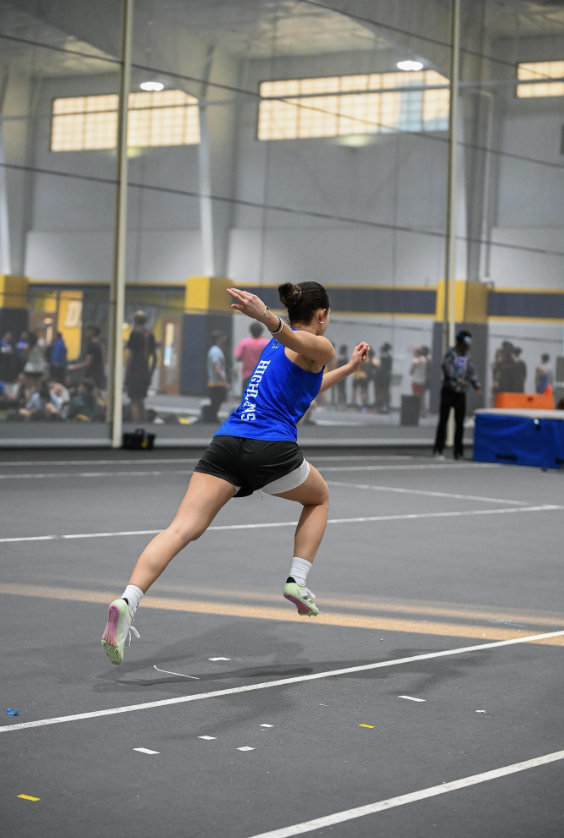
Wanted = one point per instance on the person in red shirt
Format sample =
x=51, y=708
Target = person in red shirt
x=249, y=351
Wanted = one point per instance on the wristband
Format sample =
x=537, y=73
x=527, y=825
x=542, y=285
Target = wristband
x=280, y=327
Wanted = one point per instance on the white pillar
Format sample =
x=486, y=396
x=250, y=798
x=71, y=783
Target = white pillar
x=117, y=297
x=5, y=257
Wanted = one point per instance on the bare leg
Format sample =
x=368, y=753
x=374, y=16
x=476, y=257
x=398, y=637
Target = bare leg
x=313, y=494
x=204, y=498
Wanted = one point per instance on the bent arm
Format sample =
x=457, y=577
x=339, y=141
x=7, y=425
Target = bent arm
x=314, y=348
x=360, y=354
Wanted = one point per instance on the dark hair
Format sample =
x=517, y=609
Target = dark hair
x=32, y=339
x=95, y=329
x=545, y=357
x=303, y=300
x=256, y=330
x=343, y=349
x=216, y=336
x=139, y=318
x=462, y=335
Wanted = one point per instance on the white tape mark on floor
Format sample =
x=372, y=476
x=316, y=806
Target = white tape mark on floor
x=427, y=492
x=411, y=698
x=298, y=679
x=274, y=524
x=145, y=751
x=180, y=675
x=413, y=797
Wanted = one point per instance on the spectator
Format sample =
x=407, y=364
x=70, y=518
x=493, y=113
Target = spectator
x=34, y=366
x=21, y=351
x=419, y=376
x=339, y=391
x=543, y=374
x=507, y=371
x=361, y=380
x=84, y=405
x=8, y=366
x=520, y=370
x=218, y=386
x=58, y=360
x=458, y=369
x=141, y=363
x=249, y=351
x=93, y=365
x=384, y=379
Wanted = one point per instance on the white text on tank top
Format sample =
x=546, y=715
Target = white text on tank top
x=249, y=406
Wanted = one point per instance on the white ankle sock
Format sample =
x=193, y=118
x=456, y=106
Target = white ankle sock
x=299, y=570
x=133, y=595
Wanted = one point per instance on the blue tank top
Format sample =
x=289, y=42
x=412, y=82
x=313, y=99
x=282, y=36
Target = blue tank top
x=277, y=396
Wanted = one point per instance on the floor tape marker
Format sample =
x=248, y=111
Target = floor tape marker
x=413, y=797
x=426, y=493
x=184, y=699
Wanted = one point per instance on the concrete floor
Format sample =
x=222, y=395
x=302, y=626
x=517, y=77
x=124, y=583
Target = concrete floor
x=420, y=558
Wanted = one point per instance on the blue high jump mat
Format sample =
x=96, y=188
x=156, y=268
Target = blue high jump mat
x=520, y=437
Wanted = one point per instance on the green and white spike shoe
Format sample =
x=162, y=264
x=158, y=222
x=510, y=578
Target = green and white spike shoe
x=302, y=598
x=118, y=630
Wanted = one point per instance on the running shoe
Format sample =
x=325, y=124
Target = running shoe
x=302, y=598
x=118, y=630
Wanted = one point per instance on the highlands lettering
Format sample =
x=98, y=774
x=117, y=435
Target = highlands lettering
x=249, y=406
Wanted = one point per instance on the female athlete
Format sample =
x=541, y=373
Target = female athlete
x=254, y=449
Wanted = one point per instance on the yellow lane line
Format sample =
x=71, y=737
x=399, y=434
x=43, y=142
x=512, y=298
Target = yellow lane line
x=263, y=612
x=434, y=609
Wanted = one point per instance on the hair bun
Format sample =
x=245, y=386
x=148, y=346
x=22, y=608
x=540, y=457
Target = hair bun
x=290, y=295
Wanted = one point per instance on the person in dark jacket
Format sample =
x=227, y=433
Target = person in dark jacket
x=458, y=370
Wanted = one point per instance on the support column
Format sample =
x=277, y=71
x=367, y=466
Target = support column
x=117, y=294
x=216, y=165
x=207, y=309
x=14, y=315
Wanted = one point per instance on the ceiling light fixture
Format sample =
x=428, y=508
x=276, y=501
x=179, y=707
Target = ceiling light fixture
x=151, y=85
x=410, y=65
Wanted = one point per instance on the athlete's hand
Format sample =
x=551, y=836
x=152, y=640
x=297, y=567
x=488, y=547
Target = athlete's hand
x=248, y=304
x=359, y=355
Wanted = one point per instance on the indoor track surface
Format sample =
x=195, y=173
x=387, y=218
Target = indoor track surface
x=425, y=700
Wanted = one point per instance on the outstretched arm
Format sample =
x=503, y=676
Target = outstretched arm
x=313, y=347
x=359, y=355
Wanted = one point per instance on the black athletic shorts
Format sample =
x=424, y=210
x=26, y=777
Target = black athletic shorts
x=249, y=464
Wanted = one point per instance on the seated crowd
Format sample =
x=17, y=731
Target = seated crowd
x=37, y=384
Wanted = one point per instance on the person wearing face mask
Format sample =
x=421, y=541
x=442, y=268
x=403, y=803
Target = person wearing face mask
x=458, y=369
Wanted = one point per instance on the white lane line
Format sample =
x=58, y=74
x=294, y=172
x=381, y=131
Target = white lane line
x=145, y=751
x=207, y=738
x=70, y=463
x=413, y=797
x=413, y=466
x=155, y=473
x=266, y=685
x=180, y=675
x=369, y=519
x=427, y=492
x=411, y=698
x=51, y=475
x=183, y=460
